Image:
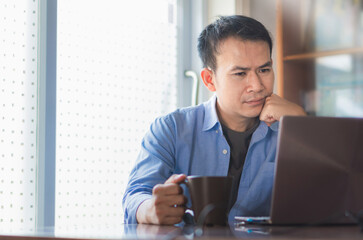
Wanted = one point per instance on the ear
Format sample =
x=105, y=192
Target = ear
x=208, y=79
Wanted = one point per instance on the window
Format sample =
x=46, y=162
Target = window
x=81, y=82
x=116, y=72
x=18, y=112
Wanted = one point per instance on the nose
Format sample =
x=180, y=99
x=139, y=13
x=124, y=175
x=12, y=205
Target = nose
x=254, y=83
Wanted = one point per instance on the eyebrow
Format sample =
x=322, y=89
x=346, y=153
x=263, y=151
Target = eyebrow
x=268, y=64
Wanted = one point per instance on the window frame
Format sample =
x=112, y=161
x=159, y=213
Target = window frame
x=46, y=121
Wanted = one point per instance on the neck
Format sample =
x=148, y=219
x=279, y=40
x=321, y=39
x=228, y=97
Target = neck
x=236, y=124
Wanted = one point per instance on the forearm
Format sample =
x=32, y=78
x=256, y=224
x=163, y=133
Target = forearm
x=153, y=166
x=296, y=110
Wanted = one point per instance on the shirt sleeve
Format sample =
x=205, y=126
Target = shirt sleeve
x=154, y=165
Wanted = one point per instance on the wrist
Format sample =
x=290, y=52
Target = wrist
x=142, y=212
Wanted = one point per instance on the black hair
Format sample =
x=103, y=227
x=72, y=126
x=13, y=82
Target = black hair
x=238, y=26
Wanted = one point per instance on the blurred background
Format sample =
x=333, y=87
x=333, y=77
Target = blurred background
x=81, y=81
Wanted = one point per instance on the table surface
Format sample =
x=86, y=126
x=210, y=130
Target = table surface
x=143, y=231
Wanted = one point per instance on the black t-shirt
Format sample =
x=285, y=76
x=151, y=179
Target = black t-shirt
x=238, y=143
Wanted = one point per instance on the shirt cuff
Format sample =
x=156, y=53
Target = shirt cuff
x=132, y=205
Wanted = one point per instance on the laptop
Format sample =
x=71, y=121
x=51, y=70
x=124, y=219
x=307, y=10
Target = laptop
x=318, y=172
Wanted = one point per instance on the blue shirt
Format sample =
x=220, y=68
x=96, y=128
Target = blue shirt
x=190, y=141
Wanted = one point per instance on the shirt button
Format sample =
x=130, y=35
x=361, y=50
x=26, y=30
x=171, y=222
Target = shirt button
x=216, y=131
x=224, y=151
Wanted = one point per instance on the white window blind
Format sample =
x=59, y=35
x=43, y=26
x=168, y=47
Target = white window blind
x=116, y=72
x=18, y=113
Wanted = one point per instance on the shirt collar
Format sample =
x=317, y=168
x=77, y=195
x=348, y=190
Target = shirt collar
x=210, y=117
x=262, y=131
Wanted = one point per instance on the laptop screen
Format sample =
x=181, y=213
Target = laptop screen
x=319, y=170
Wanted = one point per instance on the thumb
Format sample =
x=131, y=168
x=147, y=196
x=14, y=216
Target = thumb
x=176, y=178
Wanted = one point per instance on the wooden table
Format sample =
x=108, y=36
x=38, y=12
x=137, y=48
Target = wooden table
x=142, y=231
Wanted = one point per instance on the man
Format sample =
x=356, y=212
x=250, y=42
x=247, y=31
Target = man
x=234, y=133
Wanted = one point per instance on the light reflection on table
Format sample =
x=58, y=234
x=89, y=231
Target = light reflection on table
x=143, y=231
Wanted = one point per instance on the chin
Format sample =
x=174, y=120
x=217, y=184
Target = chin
x=252, y=114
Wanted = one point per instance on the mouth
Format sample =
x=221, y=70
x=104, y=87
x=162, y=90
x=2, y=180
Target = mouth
x=255, y=101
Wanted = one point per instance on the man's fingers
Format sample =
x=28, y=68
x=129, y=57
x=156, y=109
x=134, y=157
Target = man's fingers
x=176, y=211
x=169, y=215
x=172, y=200
x=167, y=189
x=267, y=115
x=272, y=110
x=171, y=186
x=168, y=202
x=268, y=119
x=275, y=107
x=172, y=220
x=176, y=178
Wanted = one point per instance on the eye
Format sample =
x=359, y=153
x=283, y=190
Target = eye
x=264, y=70
x=240, y=74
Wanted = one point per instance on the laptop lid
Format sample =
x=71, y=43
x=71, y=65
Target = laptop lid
x=319, y=170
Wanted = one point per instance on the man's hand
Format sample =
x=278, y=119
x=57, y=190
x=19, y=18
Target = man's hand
x=167, y=205
x=275, y=107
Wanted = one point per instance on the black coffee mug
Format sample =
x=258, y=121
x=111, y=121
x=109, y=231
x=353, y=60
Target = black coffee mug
x=211, y=196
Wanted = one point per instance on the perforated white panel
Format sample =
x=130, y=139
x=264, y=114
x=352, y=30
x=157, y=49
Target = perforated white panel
x=18, y=112
x=116, y=73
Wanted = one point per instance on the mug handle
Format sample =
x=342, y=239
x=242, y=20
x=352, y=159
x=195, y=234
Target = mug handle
x=188, y=217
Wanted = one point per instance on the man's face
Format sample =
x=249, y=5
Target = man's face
x=243, y=79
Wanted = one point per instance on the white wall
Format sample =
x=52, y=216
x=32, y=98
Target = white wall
x=218, y=7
